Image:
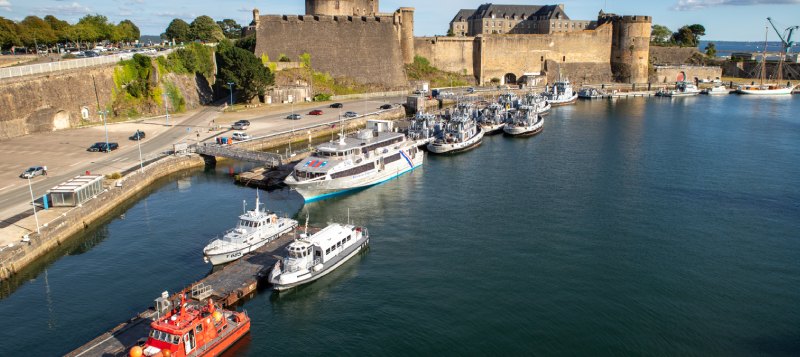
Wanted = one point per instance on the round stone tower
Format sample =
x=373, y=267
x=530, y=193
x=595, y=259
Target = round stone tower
x=405, y=15
x=330, y=7
x=630, y=49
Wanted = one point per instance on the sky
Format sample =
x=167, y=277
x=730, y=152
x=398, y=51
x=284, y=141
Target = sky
x=724, y=20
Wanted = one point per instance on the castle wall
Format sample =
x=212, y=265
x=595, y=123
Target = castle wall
x=330, y=7
x=672, y=55
x=452, y=54
x=669, y=74
x=582, y=56
x=630, y=52
x=366, y=49
x=406, y=19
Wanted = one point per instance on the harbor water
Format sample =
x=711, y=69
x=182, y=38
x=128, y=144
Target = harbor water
x=632, y=227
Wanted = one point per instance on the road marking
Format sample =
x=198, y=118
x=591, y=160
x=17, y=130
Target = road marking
x=77, y=163
x=6, y=187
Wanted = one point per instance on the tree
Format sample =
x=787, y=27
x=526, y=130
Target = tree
x=60, y=27
x=450, y=33
x=688, y=36
x=97, y=27
x=206, y=30
x=243, y=68
x=247, y=43
x=128, y=31
x=230, y=28
x=8, y=33
x=82, y=33
x=33, y=30
x=660, y=34
x=179, y=31
x=711, y=50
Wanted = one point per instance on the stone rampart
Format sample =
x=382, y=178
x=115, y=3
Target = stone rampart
x=452, y=54
x=669, y=74
x=671, y=55
x=367, y=49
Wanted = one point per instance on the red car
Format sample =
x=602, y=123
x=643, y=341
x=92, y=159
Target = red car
x=315, y=112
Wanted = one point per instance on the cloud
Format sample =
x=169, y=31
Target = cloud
x=70, y=9
x=688, y=5
x=5, y=5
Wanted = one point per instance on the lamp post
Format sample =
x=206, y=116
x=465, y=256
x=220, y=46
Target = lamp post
x=139, y=143
x=230, y=87
x=33, y=203
x=105, y=126
x=166, y=108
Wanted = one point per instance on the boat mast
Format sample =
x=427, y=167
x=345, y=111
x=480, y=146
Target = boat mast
x=764, y=57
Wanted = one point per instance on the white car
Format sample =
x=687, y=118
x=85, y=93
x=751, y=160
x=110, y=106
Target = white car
x=239, y=136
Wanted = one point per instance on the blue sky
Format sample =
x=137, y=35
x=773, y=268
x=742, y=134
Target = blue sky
x=732, y=20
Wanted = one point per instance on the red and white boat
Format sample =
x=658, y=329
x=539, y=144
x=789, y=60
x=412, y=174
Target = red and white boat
x=194, y=329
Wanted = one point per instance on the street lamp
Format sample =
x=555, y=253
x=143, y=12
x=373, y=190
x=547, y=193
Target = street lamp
x=230, y=87
x=33, y=203
x=139, y=143
x=105, y=126
x=166, y=108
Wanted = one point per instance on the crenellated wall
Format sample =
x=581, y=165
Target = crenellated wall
x=630, y=49
x=368, y=49
x=452, y=54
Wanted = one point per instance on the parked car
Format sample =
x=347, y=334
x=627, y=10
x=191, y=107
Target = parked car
x=315, y=112
x=350, y=114
x=97, y=147
x=32, y=172
x=90, y=54
x=294, y=116
x=241, y=125
x=138, y=135
x=337, y=105
x=239, y=136
x=470, y=90
x=386, y=106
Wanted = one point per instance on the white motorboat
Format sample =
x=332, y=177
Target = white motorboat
x=682, y=89
x=310, y=258
x=561, y=93
x=493, y=118
x=254, y=229
x=371, y=156
x=716, y=90
x=591, y=93
x=461, y=134
x=524, y=122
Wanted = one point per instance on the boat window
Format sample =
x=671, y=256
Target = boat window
x=328, y=251
x=176, y=340
x=319, y=253
x=199, y=328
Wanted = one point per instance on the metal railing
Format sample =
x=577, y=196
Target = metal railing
x=40, y=68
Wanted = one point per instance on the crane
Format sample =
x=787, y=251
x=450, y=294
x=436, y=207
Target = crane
x=786, y=41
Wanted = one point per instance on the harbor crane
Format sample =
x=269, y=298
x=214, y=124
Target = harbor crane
x=786, y=36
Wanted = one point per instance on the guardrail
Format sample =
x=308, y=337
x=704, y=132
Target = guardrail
x=49, y=67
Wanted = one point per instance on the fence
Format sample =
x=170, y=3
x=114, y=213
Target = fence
x=19, y=71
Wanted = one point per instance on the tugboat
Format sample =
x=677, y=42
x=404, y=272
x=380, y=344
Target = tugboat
x=460, y=134
x=561, y=94
x=493, y=118
x=310, y=258
x=524, y=122
x=255, y=228
x=539, y=104
x=194, y=329
x=423, y=128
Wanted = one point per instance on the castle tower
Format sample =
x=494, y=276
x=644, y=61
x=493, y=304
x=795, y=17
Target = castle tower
x=342, y=7
x=405, y=17
x=630, y=48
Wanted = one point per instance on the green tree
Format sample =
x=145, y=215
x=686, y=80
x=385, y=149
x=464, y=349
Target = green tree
x=179, y=31
x=660, y=34
x=242, y=67
x=8, y=33
x=688, y=36
x=34, y=30
x=450, y=33
x=82, y=33
x=230, y=28
x=711, y=50
x=97, y=28
x=128, y=31
x=206, y=30
x=247, y=43
x=60, y=27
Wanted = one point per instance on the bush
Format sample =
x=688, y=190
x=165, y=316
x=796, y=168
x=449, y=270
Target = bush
x=114, y=176
x=322, y=97
x=284, y=58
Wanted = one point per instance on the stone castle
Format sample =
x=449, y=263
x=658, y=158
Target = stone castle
x=509, y=43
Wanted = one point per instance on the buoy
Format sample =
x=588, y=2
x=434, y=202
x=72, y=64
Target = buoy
x=166, y=353
x=136, y=351
x=217, y=316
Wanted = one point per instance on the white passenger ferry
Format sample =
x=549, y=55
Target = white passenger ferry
x=255, y=228
x=524, y=122
x=310, y=258
x=460, y=134
x=369, y=157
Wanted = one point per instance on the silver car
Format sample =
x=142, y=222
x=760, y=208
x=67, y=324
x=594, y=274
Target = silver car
x=32, y=171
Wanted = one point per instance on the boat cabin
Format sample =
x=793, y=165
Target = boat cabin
x=186, y=329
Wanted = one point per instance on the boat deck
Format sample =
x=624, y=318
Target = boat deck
x=228, y=285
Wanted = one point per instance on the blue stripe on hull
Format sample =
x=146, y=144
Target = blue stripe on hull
x=339, y=193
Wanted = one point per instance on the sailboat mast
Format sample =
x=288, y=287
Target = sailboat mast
x=764, y=57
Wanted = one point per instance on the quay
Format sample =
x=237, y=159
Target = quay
x=235, y=282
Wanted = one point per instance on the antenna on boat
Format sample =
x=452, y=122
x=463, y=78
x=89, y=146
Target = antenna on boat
x=258, y=201
x=348, y=216
x=244, y=206
x=306, y=227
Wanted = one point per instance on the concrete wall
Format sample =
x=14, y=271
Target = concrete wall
x=52, y=102
x=583, y=54
x=669, y=74
x=366, y=49
x=452, y=54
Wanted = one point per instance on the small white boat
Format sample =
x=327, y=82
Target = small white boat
x=255, y=228
x=591, y=93
x=765, y=89
x=561, y=93
x=682, y=89
x=493, y=118
x=461, y=134
x=423, y=128
x=524, y=122
x=310, y=258
x=716, y=90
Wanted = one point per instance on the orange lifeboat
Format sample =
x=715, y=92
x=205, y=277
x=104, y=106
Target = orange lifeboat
x=193, y=329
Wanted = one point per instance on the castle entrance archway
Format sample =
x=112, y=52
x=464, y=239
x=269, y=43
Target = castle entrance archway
x=510, y=78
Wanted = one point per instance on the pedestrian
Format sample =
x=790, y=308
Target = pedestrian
x=44, y=170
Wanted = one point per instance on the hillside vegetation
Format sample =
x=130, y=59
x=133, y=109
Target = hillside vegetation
x=422, y=70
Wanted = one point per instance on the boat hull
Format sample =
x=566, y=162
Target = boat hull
x=765, y=92
x=491, y=129
x=319, y=190
x=234, y=254
x=561, y=102
x=229, y=340
x=523, y=131
x=354, y=249
x=454, y=148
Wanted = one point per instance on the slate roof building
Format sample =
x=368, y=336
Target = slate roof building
x=515, y=19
